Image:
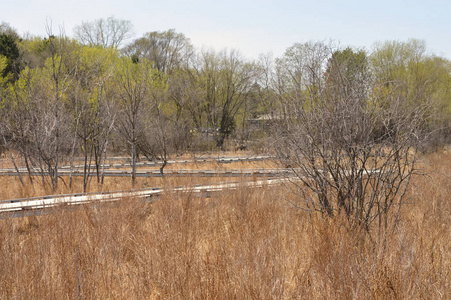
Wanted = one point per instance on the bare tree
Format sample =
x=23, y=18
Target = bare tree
x=350, y=155
x=167, y=50
x=227, y=79
x=5, y=28
x=7, y=121
x=93, y=116
x=37, y=121
x=135, y=82
x=16, y=124
x=184, y=93
x=160, y=132
x=37, y=100
x=110, y=32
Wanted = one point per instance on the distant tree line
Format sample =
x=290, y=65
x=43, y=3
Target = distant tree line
x=96, y=95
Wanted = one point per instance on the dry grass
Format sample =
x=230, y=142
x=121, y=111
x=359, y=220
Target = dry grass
x=11, y=187
x=246, y=244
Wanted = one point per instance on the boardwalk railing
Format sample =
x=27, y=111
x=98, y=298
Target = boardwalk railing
x=157, y=173
x=21, y=207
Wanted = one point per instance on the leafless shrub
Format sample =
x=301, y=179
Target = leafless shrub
x=350, y=154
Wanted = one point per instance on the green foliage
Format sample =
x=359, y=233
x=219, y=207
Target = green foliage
x=3, y=66
x=35, y=50
x=212, y=90
x=347, y=68
x=10, y=50
x=405, y=70
x=3, y=80
x=95, y=65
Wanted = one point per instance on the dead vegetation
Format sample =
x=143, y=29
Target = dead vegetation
x=245, y=244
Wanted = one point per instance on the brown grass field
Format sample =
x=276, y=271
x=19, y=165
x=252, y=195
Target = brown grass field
x=243, y=244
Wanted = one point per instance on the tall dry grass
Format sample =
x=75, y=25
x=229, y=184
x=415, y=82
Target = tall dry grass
x=245, y=244
x=11, y=188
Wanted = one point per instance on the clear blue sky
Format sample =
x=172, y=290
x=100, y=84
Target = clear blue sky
x=253, y=27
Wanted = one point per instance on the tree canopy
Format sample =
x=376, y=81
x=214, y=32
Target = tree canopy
x=158, y=94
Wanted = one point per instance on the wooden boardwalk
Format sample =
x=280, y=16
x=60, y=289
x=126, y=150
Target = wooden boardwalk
x=36, y=205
